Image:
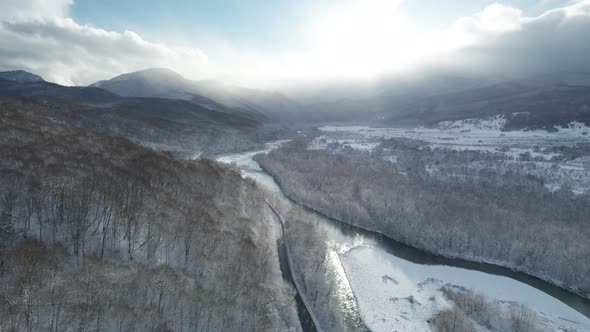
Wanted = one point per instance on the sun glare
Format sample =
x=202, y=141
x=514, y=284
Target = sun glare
x=365, y=38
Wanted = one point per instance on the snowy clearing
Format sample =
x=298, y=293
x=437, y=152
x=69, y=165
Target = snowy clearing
x=537, y=153
x=470, y=136
x=397, y=295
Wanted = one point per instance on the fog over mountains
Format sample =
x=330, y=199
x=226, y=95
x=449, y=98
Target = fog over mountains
x=165, y=83
x=423, y=99
x=336, y=165
x=170, y=124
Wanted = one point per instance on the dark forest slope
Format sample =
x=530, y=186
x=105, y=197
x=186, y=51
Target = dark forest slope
x=99, y=233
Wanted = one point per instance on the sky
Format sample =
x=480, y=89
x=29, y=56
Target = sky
x=260, y=23
x=261, y=43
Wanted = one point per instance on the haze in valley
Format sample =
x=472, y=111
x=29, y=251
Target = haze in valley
x=333, y=165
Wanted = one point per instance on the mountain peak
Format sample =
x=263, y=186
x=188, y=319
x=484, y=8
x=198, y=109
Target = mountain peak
x=158, y=71
x=21, y=76
x=153, y=82
x=151, y=74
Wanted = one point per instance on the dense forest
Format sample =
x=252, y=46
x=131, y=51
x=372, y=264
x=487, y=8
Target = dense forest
x=99, y=233
x=542, y=233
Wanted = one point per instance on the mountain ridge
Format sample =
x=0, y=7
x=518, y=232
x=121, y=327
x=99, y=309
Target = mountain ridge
x=165, y=83
x=427, y=99
x=21, y=76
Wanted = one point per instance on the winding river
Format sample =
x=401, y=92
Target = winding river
x=380, y=272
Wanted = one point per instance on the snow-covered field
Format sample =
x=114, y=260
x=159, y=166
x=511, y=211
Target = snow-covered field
x=465, y=137
x=495, y=123
x=389, y=300
x=397, y=295
x=529, y=152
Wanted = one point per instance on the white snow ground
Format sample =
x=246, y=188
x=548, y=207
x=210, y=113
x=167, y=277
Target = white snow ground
x=389, y=300
x=495, y=123
x=470, y=137
x=397, y=295
x=467, y=136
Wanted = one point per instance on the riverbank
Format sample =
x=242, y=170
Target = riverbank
x=319, y=208
x=474, y=259
x=341, y=237
x=395, y=294
x=367, y=289
x=309, y=322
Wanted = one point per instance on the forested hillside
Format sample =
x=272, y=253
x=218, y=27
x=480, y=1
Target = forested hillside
x=542, y=233
x=99, y=233
x=166, y=124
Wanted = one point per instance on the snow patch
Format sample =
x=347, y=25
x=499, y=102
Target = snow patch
x=391, y=159
x=575, y=128
x=359, y=144
x=318, y=143
x=494, y=123
x=388, y=299
x=397, y=295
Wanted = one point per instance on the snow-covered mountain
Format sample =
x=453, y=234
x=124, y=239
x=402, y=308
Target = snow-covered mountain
x=24, y=84
x=155, y=82
x=165, y=114
x=543, y=101
x=164, y=83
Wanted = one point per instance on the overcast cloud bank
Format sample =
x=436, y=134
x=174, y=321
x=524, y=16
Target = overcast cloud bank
x=38, y=36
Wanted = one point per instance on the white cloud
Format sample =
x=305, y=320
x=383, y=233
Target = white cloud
x=494, y=20
x=38, y=36
x=554, y=41
x=19, y=9
x=371, y=38
x=63, y=51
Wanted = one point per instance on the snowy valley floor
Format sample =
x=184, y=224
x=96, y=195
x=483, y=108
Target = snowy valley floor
x=397, y=295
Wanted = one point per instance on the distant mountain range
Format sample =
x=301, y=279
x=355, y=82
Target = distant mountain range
x=543, y=101
x=256, y=105
x=164, y=83
x=540, y=102
x=524, y=104
x=151, y=101
x=29, y=85
x=173, y=124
